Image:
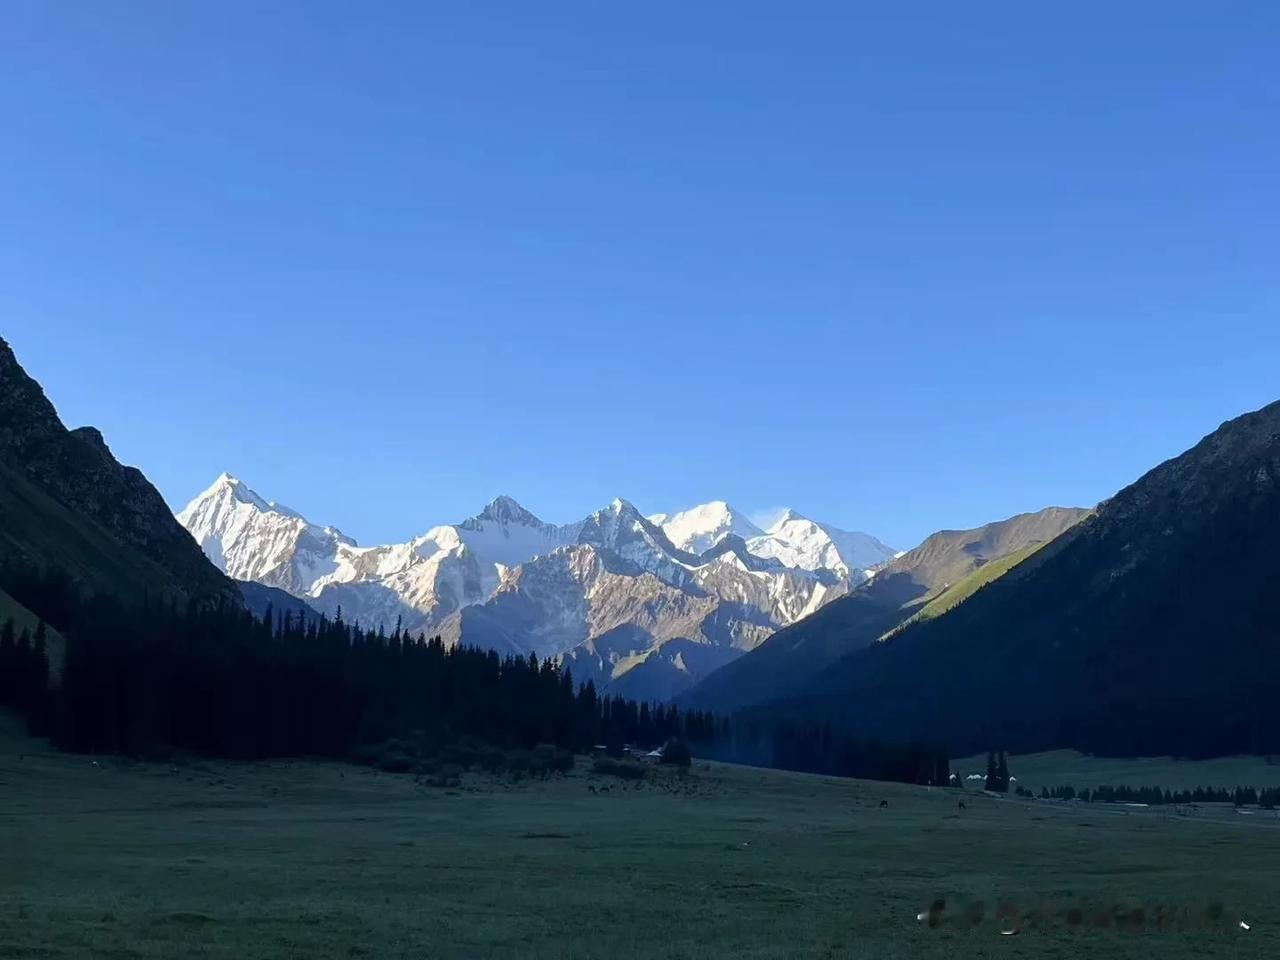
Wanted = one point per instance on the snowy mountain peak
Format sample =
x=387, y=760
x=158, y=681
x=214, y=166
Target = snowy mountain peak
x=701, y=527
x=228, y=486
x=797, y=541
x=620, y=514
x=251, y=538
x=788, y=516
x=505, y=509
x=231, y=489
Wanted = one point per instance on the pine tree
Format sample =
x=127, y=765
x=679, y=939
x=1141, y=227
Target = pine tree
x=8, y=663
x=36, y=699
x=1002, y=774
x=993, y=774
x=21, y=669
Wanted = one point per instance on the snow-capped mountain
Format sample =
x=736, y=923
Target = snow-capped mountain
x=648, y=605
x=420, y=581
x=702, y=527
x=794, y=540
x=797, y=541
x=250, y=538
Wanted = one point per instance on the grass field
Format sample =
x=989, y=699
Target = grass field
x=324, y=860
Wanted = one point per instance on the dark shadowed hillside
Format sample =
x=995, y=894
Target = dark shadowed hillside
x=259, y=598
x=1149, y=628
x=66, y=502
x=943, y=563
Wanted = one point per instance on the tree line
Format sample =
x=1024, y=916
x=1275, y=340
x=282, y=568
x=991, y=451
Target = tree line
x=1268, y=798
x=222, y=682
x=24, y=673
x=157, y=676
x=821, y=748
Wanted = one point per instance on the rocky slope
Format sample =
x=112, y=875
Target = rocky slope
x=66, y=501
x=625, y=612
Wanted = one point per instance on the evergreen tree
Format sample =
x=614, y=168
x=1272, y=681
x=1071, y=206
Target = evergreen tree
x=676, y=752
x=35, y=700
x=993, y=773
x=218, y=681
x=21, y=670
x=1002, y=773
x=8, y=663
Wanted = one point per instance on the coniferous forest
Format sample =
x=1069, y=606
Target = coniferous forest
x=216, y=680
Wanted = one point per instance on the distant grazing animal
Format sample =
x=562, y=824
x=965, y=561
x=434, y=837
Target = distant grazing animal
x=604, y=789
x=884, y=803
x=962, y=806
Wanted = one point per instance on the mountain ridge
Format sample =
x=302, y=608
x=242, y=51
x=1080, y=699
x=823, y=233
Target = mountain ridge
x=507, y=580
x=898, y=589
x=1145, y=629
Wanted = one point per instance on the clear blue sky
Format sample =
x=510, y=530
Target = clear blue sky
x=901, y=266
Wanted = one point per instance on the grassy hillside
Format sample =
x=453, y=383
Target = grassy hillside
x=244, y=861
x=1147, y=629
x=36, y=528
x=796, y=655
x=957, y=593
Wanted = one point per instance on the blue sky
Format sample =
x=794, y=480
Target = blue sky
x=900, y=269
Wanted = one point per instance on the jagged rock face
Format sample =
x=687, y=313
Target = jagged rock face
x=611, y=595
x=28, y=421
x=76, y=469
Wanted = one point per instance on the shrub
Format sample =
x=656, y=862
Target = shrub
x=519, y=762
x=624, y=769
x=393, y=762
x=548, y=758
x=676, y=752
x=393, y=756
x=463, y=754
x=366, y=755
x=490, y=759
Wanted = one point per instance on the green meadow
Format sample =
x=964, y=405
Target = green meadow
x=322, y=860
